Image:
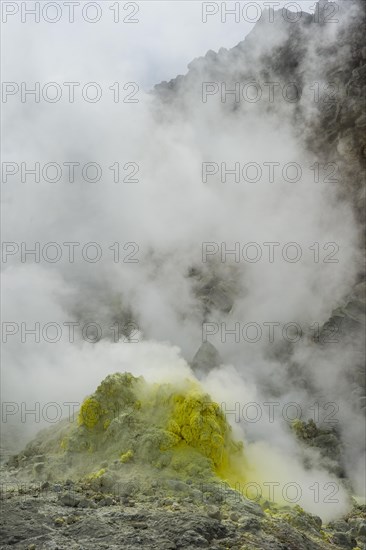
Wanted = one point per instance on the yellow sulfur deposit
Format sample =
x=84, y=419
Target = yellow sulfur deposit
x=97, y=475
x=165, y=427
x=90, y=413
x=126, y=457
x=199, y=423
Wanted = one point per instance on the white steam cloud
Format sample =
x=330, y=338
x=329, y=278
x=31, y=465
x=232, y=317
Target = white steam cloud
x=169, y=213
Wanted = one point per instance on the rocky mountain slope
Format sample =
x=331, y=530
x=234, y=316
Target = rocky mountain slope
x=151, y=467
x=115, y=478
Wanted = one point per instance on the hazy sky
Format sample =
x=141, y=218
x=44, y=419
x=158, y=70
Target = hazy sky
x=169, y=212
x=168, y=35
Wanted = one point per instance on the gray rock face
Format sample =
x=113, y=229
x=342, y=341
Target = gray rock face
x=180, y=515
x=87, y=520
x=69, y=500
x=332, y=129
x=206, y=359
x=214, y=288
